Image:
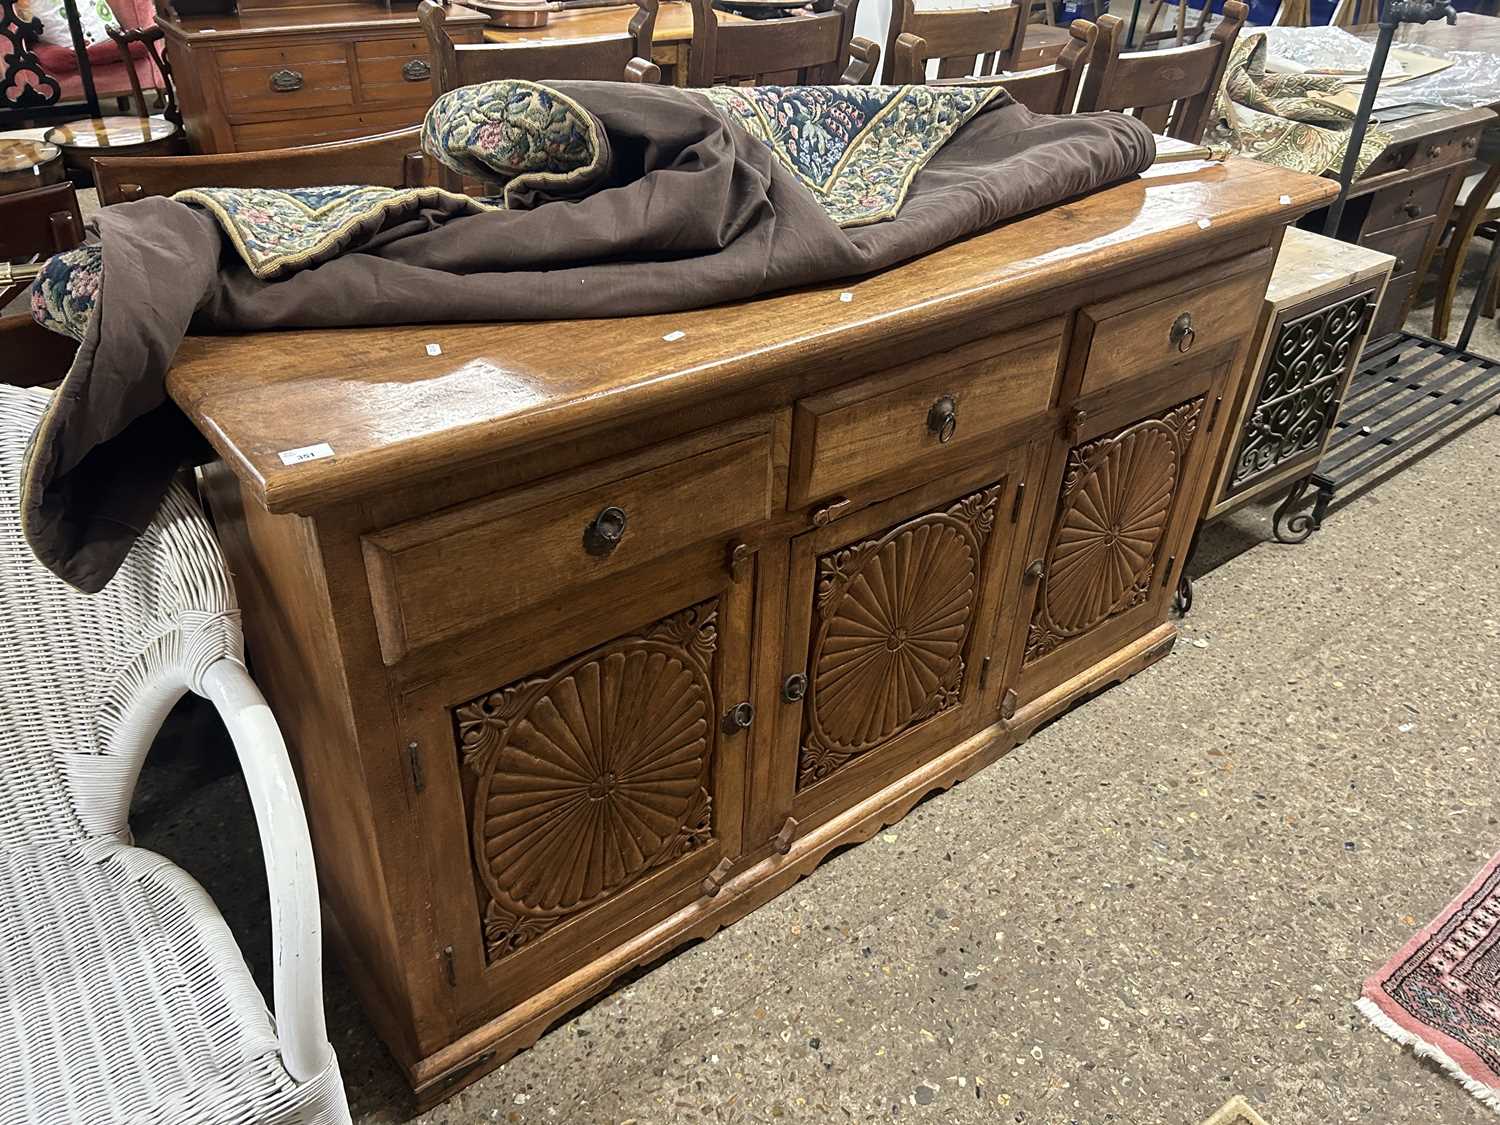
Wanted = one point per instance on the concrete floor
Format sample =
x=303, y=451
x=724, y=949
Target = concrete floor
x=1169, y=896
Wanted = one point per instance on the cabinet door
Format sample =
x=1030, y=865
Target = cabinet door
x=890, y=615
x=586, y=785
x=1129, y=485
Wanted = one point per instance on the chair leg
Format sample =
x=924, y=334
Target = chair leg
x=1465, y=223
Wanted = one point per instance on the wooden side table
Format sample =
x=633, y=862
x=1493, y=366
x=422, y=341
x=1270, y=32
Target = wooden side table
x=27, y=164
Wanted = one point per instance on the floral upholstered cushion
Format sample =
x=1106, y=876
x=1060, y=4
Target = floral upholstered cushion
x=518, y=133
x=64, y=293
x=856, y=148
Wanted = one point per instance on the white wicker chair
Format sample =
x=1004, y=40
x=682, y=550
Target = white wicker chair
x=124, y=996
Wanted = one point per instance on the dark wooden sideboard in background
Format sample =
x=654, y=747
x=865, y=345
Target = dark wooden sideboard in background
x=272, y=75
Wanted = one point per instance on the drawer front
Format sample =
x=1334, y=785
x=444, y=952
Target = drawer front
x=1445, y=148
x=1405, y=203
x=1405, y=244
x=274, y=79
x=442, y=575
x=308, y=129
x=936, y=411
x=394, y=70
x=1167, y=323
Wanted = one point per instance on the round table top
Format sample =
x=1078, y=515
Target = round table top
x=111, y=132
x=23, y=155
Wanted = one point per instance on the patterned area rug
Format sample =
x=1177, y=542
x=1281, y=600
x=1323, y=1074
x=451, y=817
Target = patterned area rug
x=1441, y=994
x=1236, y=1111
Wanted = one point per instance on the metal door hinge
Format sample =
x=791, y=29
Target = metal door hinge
x=1015, y=508
x=713, y=882
x=448, y=968
x=783, y=839
x=1008, y=704
x=740, y=555
x=414, y=764
x=984, y=671
x=1166, y=575
x=831, y=511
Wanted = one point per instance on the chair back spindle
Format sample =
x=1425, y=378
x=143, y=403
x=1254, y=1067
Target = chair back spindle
x=1171, y=90
x=1046, y=89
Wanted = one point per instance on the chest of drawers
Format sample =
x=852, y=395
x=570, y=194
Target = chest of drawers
x=593, y=636
x=269, y=77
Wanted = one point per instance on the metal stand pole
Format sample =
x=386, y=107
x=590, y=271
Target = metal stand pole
x=85, y=68
x=1394, y=13
x=1135, y=14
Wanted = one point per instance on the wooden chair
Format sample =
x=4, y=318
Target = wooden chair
x=388, y=160
x=1048, y=89
x=606, y=58
x=34, y=357
x=965, y=41
x=1355, y=13
x=150, y=39
x=1171, y=90
x=36, y=224
x=800, y=49
x=1475, y=214
x=1180, y=32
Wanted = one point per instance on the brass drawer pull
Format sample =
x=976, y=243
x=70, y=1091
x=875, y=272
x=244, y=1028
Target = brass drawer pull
x=416, y=70
x=942, y=419
x=286, y=81
x=604, y=532
x=1182, y=332
x=1434, y=151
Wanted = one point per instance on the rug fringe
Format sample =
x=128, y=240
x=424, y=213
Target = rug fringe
x=1425, y=1050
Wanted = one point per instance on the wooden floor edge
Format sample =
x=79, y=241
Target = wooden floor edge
x=489, y=1046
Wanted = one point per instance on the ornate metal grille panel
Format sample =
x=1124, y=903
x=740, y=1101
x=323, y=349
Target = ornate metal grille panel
x=1297, y=399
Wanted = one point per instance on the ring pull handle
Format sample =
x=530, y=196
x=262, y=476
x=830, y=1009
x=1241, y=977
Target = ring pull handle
x=417, y=70
x=286, y=81
x=1182, y=332
x=1033, y=572
x=942, y=418
x=739, y=717
x=604, y=532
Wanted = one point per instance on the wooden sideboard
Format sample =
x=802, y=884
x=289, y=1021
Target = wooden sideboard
x=271, y=76
x=592, y=636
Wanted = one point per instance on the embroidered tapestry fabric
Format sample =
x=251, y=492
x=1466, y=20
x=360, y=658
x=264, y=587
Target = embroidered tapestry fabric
x=689, y=210
x=856, y=148
x=62, y=296
x=277, y=231
x=1441, y=994
x=1276, y=119
x=525, y=135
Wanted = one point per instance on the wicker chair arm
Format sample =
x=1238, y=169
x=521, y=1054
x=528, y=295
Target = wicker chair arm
x=296, y=927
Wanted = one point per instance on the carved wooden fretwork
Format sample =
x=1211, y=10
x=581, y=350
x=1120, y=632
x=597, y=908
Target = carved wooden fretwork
x=23, y=82
x=586, y=778
x=1116, y=498
x=1296, y=402
x=890, y=622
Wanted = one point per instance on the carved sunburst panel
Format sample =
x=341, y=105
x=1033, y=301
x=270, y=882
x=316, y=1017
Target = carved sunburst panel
x=589, y=777
x=891, y=622
x=1117, y=499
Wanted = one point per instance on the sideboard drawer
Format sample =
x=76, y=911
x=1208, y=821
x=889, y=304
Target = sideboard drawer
x=1405, y=244
x=1165, y=323
x=1406, y=203
x=305, y=76
x=441, y=575
x=939, y=409
x=394, y=70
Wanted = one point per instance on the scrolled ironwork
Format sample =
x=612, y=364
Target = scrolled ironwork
x=1296, y=402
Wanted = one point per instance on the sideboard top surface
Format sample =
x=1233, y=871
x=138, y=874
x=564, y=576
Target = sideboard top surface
x=315, y=19
x=389, y=410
